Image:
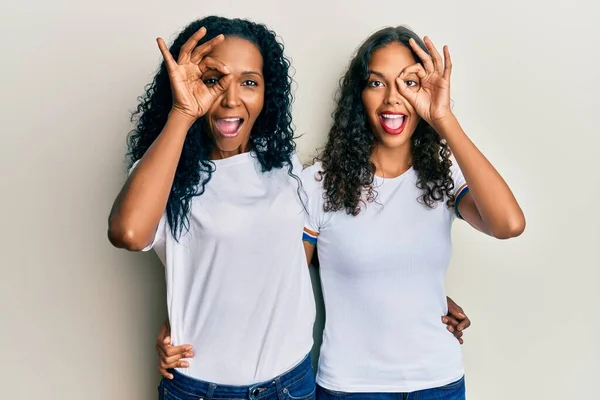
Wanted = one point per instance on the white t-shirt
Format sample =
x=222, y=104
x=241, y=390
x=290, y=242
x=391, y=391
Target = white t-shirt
x=238, y=285
x=382, y=274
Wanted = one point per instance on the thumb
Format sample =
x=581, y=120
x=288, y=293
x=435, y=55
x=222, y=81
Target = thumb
x=405, y=91
x=167, y=340
x=221, y=86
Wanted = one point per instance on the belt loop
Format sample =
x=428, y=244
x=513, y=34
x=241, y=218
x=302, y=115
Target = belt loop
x=210, y=391
x=280, y=390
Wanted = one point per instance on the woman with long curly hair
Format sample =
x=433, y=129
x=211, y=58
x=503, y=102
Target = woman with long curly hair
x=382, y=199
x=214, y=190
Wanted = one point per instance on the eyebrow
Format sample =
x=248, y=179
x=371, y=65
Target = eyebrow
x=252, y=73
x=370, y=71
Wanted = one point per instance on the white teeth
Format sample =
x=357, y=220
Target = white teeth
x=392, y=116
x=232, y=119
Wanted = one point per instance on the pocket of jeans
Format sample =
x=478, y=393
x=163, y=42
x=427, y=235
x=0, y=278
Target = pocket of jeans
x=302, y=389
x=169, y=395
x=168, y=392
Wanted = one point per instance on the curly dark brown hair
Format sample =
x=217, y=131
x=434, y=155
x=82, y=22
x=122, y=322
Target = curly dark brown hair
x=272, y=136
x=348, y=172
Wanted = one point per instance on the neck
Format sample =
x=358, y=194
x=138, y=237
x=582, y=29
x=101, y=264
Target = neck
x=391, y=162
x=219, y=154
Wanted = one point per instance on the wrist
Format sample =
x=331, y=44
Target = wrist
x=178, y=117
x=446, y=125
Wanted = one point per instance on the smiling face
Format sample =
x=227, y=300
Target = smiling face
x=391, y=118
x=231, y=117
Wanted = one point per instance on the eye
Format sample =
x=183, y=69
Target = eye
x=211, y=81
x=375, y=84
x=411, y=83
x=249, y=82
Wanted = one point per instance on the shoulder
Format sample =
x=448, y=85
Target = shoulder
x=312, y=177
x=457, y=177
x=311, y=172
x=455, y=169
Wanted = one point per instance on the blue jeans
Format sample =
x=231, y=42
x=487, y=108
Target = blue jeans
x=453, y=391
x=296, y=384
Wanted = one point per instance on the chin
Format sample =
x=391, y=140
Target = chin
x=392, y=141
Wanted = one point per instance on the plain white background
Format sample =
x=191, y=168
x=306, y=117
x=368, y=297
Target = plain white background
x=79, y=318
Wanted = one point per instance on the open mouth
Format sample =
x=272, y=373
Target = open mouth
x=229, y=127
x=392, y=123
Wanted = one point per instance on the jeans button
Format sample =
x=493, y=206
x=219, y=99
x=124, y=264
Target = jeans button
x=255, y=392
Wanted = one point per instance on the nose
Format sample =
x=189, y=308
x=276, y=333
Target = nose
x=392, y=96
x=231, y=98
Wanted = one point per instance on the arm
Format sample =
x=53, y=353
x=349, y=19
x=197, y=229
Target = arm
x=311, y=253
x=139, y=206
x=490, y=205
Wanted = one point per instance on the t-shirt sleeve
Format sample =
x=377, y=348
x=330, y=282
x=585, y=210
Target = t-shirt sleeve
x=460, y=186
x=161, y=229
x=314, y=193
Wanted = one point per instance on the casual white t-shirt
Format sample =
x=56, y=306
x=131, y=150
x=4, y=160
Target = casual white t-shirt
x=238, y=285
x=382, y=275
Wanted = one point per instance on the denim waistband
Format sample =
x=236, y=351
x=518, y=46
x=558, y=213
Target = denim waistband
x=208, y=390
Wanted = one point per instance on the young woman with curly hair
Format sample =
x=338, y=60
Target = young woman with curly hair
x=214, y=190
x=382, y=199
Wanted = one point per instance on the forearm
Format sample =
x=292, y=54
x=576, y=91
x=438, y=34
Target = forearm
x=139, y=206
x=493, y=199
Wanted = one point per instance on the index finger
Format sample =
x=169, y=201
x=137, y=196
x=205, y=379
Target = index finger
x=464, y=324
x=191, y=44
x=211, y=63
x=455, y=310
x=171, y=351
x=450, y=321
x=205, y=48
x=422, y=54
x=167, y=56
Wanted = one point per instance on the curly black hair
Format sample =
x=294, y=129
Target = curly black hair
x=348, y=173
x=272, y=134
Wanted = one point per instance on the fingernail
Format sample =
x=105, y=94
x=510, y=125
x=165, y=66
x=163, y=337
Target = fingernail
x=184, y=365
x=170, y=376
x=462, y=315
x=459, y=329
